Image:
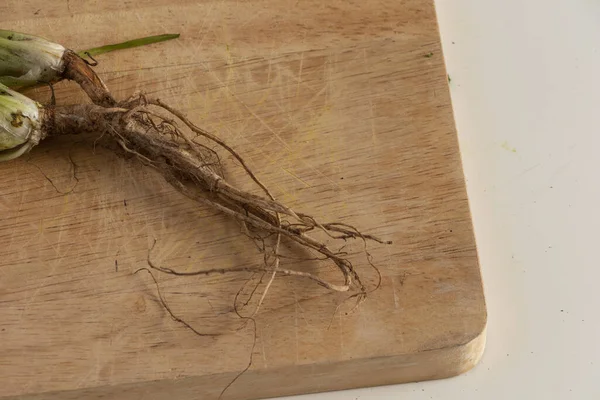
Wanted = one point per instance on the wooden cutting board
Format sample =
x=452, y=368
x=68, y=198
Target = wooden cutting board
x=343, y=110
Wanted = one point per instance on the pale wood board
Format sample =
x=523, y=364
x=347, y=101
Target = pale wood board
x=338, y=108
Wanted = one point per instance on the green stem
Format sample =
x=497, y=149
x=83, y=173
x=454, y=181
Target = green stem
x=127, y=45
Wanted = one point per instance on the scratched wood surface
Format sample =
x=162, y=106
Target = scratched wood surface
x=343, y=110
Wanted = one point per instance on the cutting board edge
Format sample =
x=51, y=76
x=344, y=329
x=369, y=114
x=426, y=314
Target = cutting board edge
x=441, y=363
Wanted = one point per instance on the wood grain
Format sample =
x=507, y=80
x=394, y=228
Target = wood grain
x=341, y=112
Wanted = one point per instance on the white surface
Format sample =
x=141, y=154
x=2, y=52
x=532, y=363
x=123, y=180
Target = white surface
x=525, y=76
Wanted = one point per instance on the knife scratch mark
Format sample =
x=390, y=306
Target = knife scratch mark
x=296, y=177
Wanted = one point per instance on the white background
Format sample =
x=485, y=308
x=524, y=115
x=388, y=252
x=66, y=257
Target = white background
x=526, y=94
